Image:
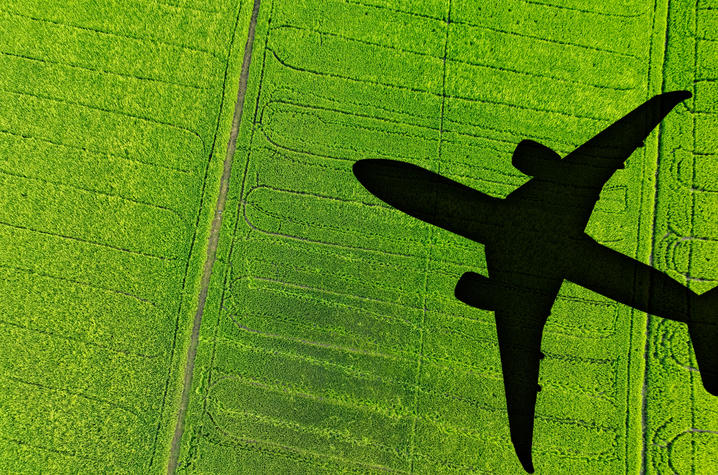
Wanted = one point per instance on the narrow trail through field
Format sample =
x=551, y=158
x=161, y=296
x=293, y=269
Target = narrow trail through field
x=212, y=243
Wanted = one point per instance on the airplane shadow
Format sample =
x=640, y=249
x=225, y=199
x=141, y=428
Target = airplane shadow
x=535, y=238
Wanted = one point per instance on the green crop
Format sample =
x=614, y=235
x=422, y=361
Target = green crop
x=107, y=183
x=331, y=340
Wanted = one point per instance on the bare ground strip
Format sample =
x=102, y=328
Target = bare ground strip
x=213, y=241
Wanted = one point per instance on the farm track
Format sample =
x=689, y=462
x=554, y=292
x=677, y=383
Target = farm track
x=212, y=243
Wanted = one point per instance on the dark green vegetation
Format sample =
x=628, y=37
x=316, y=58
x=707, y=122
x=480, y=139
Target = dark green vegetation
x=331, y=340
x=109, y=119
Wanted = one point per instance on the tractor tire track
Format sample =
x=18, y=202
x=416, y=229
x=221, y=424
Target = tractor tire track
x=212, y=242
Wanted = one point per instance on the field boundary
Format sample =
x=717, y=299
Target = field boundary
x=643, y=463
x=212, y=242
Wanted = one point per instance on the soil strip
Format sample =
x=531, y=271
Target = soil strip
x=212, y=244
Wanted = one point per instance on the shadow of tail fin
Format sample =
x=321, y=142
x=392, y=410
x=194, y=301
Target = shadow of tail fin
x=704, y=336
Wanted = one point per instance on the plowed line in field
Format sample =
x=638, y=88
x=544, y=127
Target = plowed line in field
x=397, y=49
x=77, y=340
x=417, y=374
x=213, y=241
x=644, y=447
x=88, y=241
x=89, y=397
x=498, y=30
x=43, y=97
x=428, y=92
x=123, y=36
x=189, y=8
x=77, y=282
x=89, y=150
x=45, y=62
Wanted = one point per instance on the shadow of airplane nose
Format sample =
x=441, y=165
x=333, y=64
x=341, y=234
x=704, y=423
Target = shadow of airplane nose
x=377, y=174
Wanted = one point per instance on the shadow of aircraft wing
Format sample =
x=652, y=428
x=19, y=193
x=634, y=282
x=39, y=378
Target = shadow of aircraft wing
x=609, y=149
x=521, y=303
x=572, y=185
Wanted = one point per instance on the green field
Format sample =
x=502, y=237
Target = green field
x=330, y=340
x=108, y=172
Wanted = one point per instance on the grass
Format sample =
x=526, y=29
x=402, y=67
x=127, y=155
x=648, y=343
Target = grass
x=331, y=340
x=108, y=182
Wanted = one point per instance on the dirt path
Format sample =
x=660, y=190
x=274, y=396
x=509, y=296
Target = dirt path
x=212, y=244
